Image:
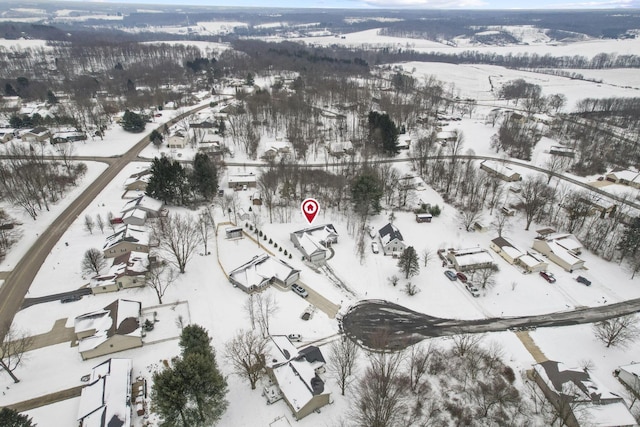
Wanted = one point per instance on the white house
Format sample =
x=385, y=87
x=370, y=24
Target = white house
x=151, y=206
x=391, y=240
x=298, y=375
x=500, y=170
x=109, y=330
x=177, y=140
x=262, y=271
x=105, y=401
x=134, y=217
x=566, y=388
x=314, y=242
x=630, y=375
x=561, y=248
x=470, y=259
x=529, y=261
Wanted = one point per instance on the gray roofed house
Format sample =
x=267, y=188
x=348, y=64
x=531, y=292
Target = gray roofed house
x=391, y=240
x=126, y=239
x=262, y=271
x=314, y=241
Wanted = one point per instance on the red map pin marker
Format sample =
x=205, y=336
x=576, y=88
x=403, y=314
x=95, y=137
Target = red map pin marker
x=310, y=208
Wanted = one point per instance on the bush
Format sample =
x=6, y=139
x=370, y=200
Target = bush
x=275, y=245
x=289, y=256
x=435, y=210
x=285, y=252
x=265, y=236
x=260, y=233
x=270, y=241
x=280, y=249
x=251, y=227
x=508, y=374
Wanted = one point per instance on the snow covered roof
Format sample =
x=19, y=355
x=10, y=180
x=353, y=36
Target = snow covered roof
x=135, y=213
x=105, y=401
x=128, y=233
x=241, y=178
x=632, y=369
x=567, y=241
x=563, y=253
x=143, y=202
x=322, y=233
x=507, y=247
x=310, y=245
x=121, y=317
x=530, y=261
x=499, y=168
x=296, y=375
x=261, y=269
x=137, y=178
x=388, y=233
x=129, y=264
x=604, y=407
x=627, y=175
x=472, y=256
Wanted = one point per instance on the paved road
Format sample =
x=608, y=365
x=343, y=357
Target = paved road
x=19, y=280
x=384, y=325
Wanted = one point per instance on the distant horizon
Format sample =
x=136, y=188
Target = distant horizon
x=382, y=5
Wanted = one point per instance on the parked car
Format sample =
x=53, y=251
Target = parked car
x=294, y=337
x=451, y=275
x=70, y=298
x=374, y=247
x=299, y=290
x=472, y=290
x=583, y=280
x=548, y=277
x=462, y=277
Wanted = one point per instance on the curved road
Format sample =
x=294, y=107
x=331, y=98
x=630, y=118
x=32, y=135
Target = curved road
x=384, y=325
x=19, y=280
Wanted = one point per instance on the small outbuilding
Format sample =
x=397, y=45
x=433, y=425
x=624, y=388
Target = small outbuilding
x=424, y=217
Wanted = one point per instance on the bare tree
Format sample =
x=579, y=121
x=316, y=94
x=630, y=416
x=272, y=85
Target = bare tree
x=619, y=331
x=418, y=359
x=93, y=261
x=266, y=307
x=89, y=224
x=12, y=349
x=534, y=194
x=160, y=277
x=379, y=394
x=246, y=353
x=427, y=255
x=501, y=222
x=178, y=236
x=100, y=223
x=205, y=226
x=470, y=215
x=112, y=223
x=465, y=343
x=484, y=277
x=343, y=361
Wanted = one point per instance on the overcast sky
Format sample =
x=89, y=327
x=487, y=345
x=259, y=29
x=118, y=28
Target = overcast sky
x=411, y=4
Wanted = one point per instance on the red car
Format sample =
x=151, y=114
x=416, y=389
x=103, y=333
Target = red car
x=462, y=277
x=548, y=277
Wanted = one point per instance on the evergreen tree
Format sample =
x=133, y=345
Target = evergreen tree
x=168, y=181
x=156, y=138
x=383, y=133
x=205, y=176
x=409, y=263
x=195, y=339
x=11, y=418
x=169, y=397
x=630, y=242
x=132, y=122
x=366, y=192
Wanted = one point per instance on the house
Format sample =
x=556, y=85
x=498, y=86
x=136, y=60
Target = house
x=561, y=150
x=314, y=241
x=500, y=170
x=68, y=136
x=127, y=271
x=6, y=135
x=134, y=217
x=625, y=177
x=105, y=401
x=298, y=376
x=562, y=249
x=470, y=259
x=238, y=181
x=109, y=330
x=138, y=181
x=340, y=148
x=242, y=215
x=37, y=134
x=151, y=206
x=256, y=199
x=568, y=388
x=391, y=240
x=262, y=271
x=424, y=217
x=529, y=262
x=126, y=239
x=630, y=376
x=443, y=137
x=176, y=140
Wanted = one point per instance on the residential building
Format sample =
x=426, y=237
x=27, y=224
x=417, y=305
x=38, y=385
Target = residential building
x=625, y=177
x=470, y=259
x=153, y=207
x=37, y=134
x=262, y=271
x=391, y=240
x=138, y=181
x=238, y=181
x=561, y=248
x=500, y=170
x=106, y=400
x=127, y=238
x=134, y=217
x=114, y=328
x=298, y=375
x=176, y=140
x=6, y=135
x=314, y=242
x=561, y=150
x=630, y=376
x=127, y=271
x=528, y=261
x=568, y=389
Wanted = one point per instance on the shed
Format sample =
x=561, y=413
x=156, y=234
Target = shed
x=233, y=232
x=424, y=217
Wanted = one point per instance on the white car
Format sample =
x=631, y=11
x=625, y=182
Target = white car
x=472, y=290
x=299, y=290
x=374, y=247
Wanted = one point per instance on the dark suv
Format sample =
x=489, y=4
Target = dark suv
x=71, y=298
x=583, y=280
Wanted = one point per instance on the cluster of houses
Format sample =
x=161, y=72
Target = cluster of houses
x=42, y=134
